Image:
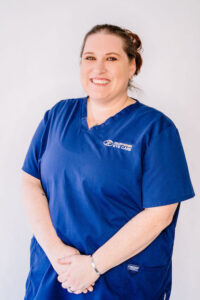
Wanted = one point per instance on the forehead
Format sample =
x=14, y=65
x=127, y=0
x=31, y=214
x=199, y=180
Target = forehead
x=104, y=43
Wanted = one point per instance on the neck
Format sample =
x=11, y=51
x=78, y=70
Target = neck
x=99, y=111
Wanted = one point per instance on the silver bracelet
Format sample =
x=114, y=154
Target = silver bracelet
x=93, y=264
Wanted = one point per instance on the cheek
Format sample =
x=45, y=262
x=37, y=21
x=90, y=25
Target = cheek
x=85, y=73
x=124, y=71
x=120, y=71
x=121, y=77
x=84, y=76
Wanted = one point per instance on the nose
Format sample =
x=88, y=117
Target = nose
x=99, y=66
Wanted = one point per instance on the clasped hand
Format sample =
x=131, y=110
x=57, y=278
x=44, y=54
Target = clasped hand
x=79, y=273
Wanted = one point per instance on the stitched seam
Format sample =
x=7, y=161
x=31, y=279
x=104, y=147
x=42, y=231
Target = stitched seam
x=29, y=283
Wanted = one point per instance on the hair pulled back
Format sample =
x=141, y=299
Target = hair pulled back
x=132, y=45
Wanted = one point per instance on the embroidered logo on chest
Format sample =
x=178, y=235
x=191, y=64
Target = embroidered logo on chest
x=118, y=145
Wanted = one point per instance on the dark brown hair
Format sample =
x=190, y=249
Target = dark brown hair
x=132, y=45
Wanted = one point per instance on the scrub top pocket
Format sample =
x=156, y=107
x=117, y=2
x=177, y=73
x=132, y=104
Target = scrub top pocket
x=114, y=281
x=146, y=282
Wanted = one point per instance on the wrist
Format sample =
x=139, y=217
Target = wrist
x=97, y=262
x=94, y=265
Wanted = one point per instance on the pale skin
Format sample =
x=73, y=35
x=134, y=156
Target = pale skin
x=74, y=269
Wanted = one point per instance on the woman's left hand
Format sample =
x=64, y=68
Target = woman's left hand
x=80, y=274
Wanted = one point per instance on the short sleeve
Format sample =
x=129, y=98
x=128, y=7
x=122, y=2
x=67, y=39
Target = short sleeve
x=36, y=148
x=166, y=177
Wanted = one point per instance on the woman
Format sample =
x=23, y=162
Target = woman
x=103, y=179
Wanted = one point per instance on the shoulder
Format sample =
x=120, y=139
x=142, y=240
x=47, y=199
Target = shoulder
x=155, y=118
x=69, y=102
x=63, y=105
x=154, y=122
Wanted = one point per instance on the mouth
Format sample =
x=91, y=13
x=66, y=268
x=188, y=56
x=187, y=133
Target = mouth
x=100, y=82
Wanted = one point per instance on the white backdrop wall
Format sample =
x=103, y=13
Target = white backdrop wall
x=39, y=65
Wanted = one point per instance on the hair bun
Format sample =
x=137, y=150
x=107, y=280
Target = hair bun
x=135, y=39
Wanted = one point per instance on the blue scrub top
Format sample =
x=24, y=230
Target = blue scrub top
x=95, y=181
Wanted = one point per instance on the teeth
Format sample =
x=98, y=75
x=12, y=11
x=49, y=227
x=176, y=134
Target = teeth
x=100, y=81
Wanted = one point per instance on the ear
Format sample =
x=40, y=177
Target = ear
x=132, y=68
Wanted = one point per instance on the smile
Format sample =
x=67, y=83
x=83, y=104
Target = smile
x=99, y=82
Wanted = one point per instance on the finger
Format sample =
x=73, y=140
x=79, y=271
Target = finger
x=79, y=292
x=61, y=278
x=90, y=288
x=65, y=285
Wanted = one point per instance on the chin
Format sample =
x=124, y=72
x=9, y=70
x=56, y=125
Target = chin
x=98, y=95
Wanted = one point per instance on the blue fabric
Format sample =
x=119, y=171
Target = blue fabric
x=95, y=181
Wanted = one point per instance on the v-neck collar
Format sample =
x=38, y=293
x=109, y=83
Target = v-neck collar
x=108, y=121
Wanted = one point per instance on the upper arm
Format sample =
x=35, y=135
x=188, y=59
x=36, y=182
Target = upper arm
x=30, y=184
x=27, y=178
x=163, y=213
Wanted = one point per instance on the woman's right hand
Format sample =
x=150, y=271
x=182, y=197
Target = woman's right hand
x=61, y=251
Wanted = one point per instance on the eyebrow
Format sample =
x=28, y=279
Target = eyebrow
x=106, y=53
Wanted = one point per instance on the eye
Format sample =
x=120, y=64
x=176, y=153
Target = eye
x=112, y=57
x=88, y=58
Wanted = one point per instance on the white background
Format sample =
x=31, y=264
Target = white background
x=39, y=53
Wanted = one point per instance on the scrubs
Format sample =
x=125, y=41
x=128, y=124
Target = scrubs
x=95, y=181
